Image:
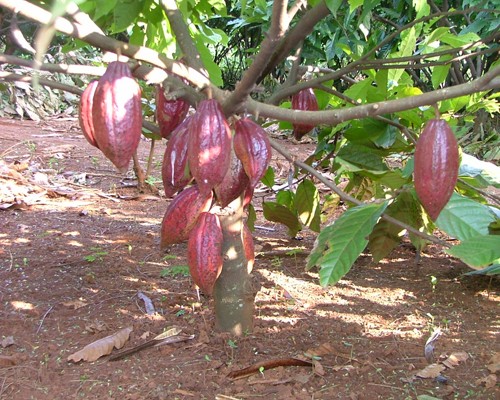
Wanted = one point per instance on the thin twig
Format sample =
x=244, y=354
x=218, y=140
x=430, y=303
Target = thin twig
x=43, y=319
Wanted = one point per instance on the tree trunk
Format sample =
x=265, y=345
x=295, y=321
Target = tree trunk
x=234, y=294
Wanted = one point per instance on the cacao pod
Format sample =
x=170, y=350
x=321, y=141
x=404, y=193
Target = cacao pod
x=209, y=149
x=234, y=183
x=305, y=100
x=169, y=113
x=181, y=215
x=251, y=145
x=248, y=246
x=205, y=252
x=85, y=115
x=117, y=114
x=436, y=166
x=175, y=172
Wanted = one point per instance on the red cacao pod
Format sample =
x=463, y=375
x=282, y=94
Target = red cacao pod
x=175, y=172
x=251, y=145
x=248, y=246
x=436, y=166
x=169, y=113
x=117, y=114
x=181, y=215
x=305, y=100
x=205, y=252
x=209, y=149
x=85, y=115
x=234, y=183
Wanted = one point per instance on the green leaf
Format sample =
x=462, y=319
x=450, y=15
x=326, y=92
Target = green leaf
x=440, y=72
x=125, y=12
x=307, y=204
x=286, y=198
x=252, y=217
x=386, y=236
x=103, y=8
x=406, y=48
x=268, y=178
x=491, y=270
x=459, y=40
x=478, y=251
x=358, y=158
x=359, y=90
x=355, y=4
x=277, y=213
x=340, y=244
x=464, y=218
x=471, y=166
x=422, y=8
x=333, y=6
x=213, y=69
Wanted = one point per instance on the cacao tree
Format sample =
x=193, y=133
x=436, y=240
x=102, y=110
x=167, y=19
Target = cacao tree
x=361, y=78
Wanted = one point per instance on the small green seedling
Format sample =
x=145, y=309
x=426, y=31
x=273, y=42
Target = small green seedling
x=175, y=271
x=97, y=255
x=434, y=282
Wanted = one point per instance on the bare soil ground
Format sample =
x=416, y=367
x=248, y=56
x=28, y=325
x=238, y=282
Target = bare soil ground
x=78, y=243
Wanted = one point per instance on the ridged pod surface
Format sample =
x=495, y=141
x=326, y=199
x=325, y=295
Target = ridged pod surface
x=305, y=100
x=251, y=145
x=117, y=114
x=175, y=172
x=248, y=246
x=205, y=252
x=209, y=150
x=436, y=166
x=181, y=215
x=234, y=183
x=169, y=113
x=85, y=115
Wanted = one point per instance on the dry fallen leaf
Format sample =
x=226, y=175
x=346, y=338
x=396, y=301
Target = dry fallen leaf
x=74, y=304
x=7, y=341
x=102, y=347
x=489, y=381
x=318, y=368
x=7, y=361
x=431, y=371
x=494, y=363
x=455, y=358
x=319, y=351
x=96, y=326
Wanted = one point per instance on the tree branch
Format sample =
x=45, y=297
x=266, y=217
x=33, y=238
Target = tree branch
x=295, y=36
x=190, y=52
x=489, y=81
x=89, y=35
x=279, y=24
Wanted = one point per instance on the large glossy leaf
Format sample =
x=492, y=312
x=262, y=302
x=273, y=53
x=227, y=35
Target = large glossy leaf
x=340, y=244
x=277, y=213
x=478, y=251
x=357, y=158
x=491, y=270
x=307, y=204
x=125, y=12
x=464, y=218
x=386, y=236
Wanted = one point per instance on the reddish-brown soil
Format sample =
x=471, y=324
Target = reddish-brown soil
x=78, y=243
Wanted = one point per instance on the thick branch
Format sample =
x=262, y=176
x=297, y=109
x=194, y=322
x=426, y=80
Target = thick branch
x=189, y=50
x=279, y=24
x=490, y=80
x=89, y=35
x=302, y=29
